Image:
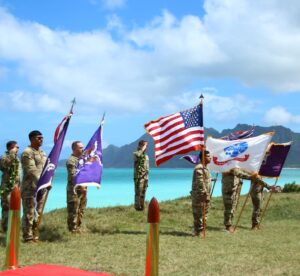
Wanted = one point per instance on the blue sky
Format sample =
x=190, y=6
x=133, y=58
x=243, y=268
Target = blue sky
x=139, y=60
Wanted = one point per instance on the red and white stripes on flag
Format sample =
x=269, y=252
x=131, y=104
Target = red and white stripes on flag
x=60, y=127
x=178, y=133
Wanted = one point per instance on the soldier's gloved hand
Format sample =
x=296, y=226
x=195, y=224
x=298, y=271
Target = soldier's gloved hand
x=83, y=190
x=255, y=177
x=271, y=188
x=144, y=147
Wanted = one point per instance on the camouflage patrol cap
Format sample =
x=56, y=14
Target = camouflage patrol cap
x=34, y=133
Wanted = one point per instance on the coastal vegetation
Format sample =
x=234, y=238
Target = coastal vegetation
x=114, y=241
x=291, y=188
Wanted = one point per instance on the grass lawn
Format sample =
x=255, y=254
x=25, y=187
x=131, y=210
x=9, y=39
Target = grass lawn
x=114, y=241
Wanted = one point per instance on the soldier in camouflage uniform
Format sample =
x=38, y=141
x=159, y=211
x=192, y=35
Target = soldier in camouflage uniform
x=231, y=188
x=256, y=194
x=76, y=199
x=200, y=192
x=10, y=167
x=33, y=160
x=141, y=171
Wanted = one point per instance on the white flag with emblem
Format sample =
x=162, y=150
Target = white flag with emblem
x=247, y=153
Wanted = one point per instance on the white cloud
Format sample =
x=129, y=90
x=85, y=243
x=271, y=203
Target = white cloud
x=219, y=108
x=255, y=42
x=280, y=116
x=30, y=102
x=113, y=4
x=259, y=38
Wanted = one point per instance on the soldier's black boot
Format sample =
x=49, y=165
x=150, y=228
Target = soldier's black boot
x=255, y=226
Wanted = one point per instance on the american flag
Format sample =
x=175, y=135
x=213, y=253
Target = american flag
x=239, y=135
x=178, y=133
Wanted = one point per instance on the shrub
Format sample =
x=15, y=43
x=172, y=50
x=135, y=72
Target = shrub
x=291, y=188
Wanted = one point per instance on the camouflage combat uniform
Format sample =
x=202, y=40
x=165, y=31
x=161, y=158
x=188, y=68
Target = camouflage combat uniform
x=33, y=162
x=76, y=200
x=256, y=194
x=200, y=193
x=11, y=168
x=141, y=171
x=231, y=188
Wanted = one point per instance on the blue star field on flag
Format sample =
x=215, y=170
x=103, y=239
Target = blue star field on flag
x=192, y=117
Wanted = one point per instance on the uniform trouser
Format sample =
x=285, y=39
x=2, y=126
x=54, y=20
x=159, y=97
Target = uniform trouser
x=5, y=200
x=30, y=220
x=231, y=194
x=76, y=204
x=198, y=207
x=257, y=198
x=140, y=187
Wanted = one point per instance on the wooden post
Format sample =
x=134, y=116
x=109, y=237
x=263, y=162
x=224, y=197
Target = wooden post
x=212, y=190
x=13, y=230
x=152, y=248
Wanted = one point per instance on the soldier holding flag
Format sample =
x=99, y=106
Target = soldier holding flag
x=231, y=187
x=201, y=192
x=33, y=160
x=76, y=198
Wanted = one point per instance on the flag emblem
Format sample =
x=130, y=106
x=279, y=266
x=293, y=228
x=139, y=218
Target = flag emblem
x=247, y=154
x=236, y=149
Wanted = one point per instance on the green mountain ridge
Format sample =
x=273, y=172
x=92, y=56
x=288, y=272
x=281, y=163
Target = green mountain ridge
x=121, y=157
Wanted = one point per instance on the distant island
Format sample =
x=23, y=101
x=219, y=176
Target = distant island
x=121, y=157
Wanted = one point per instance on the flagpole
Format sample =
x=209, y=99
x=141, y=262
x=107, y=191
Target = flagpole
x=238, y=194
x=43, y=207
x=215, y=180
x=267, y=204
x=204, y=204
x=243, y=208
x=73, y=102
x=103, y=116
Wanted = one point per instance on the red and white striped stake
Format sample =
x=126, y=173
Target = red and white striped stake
x=152, y=248
x=13, y=230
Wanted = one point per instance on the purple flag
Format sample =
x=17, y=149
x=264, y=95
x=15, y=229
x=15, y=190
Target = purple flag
x=89, y=169
x=274, y=160
x=52, y=160
x=194, y=159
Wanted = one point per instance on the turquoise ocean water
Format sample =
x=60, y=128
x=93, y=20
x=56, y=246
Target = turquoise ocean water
x=117, y=186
